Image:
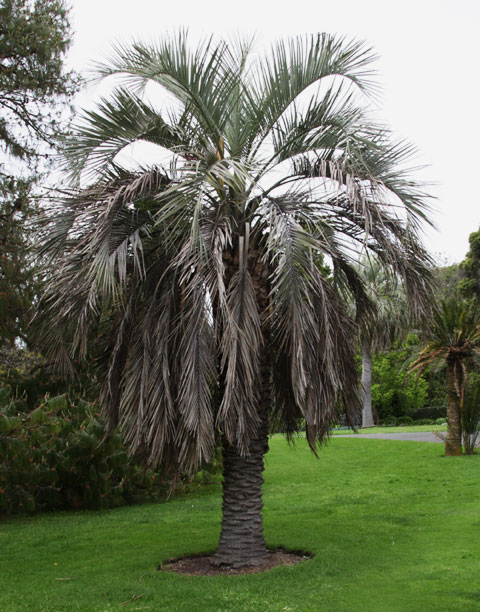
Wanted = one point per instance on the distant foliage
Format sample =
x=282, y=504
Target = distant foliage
x=471, y=415
x=393, y=394
x=405, y=420
x=470, y=268
x=447, y=280
x=26, y=375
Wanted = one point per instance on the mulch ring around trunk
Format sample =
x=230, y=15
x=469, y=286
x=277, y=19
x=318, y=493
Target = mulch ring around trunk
x=201, y=565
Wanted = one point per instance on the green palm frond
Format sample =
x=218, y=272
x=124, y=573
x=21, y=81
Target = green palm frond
x=202, y=81
x=293, y=67
x=118, y=122
x=391, y=317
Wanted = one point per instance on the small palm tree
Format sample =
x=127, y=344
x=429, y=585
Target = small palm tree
x=454, y=341
x=201, y=277
x=386, y=322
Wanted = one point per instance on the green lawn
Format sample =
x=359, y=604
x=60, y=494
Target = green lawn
x=395, y=527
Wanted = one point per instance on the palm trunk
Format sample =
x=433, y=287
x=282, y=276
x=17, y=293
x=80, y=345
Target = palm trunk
x=367, y=413
x=453, y=443
x=241, y=540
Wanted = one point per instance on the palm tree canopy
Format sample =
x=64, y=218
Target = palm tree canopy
x=454, y=338
x=389, y=318
x=199, y=274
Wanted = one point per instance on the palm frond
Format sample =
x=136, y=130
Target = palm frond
x=240, y=347
x=202, y=81
x=295, y=66
x=195, y=440
x=116, y=123
x=311, y=331
x=322, y=129
x=146, y=383
x=454, y=338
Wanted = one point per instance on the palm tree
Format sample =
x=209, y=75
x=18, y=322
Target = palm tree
x=201, y=276
x=388, y=322
x=454, y=342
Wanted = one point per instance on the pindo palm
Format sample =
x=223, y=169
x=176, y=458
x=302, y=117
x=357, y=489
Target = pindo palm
x=202, y=276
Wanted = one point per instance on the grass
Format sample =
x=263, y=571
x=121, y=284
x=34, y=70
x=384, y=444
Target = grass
x=394, y=527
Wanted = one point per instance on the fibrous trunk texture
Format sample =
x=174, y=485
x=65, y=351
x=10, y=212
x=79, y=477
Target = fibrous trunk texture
x=367, y=413
x=241, y=540
x=453, y=443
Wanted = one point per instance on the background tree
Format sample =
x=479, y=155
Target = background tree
x=471, y=414
x=469, y=284
x=34, y=38
x=447, y=279
x=393, y=394
x=201, y=276
x=16, y=295
x=454, y=340
x=388, y=321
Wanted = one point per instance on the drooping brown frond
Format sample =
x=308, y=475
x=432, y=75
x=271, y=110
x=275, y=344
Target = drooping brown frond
x=311, y=333
x=240, y=347
x=111, y=393
x=392, y=242
x=195, y=438
x=147, y=417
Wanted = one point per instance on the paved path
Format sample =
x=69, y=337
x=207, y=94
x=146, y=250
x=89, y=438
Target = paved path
x=414, y=436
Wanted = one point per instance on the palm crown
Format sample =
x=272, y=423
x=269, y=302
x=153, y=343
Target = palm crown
x=202, y=274
x=453, y=341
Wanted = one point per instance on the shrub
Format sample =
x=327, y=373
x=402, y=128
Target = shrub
x=55, y=456
x=440, y=421
x=389, y=421
x=404, y=420
x=430, y=412
x=424, y=422
x=29, y=378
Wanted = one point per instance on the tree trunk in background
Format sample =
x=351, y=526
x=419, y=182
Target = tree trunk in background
x=241, y=540
x=367, y=413
x=453, y=443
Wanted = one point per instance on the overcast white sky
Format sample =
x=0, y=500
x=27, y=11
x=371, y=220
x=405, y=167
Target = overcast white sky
x=428, y=69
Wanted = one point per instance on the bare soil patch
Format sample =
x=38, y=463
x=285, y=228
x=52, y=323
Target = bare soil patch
x=201, y=565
